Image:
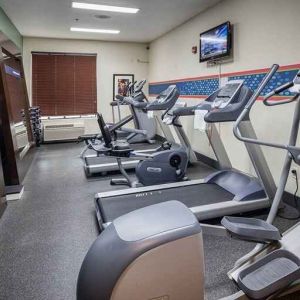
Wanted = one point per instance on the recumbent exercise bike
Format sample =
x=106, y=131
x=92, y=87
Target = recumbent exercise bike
x=163, y=166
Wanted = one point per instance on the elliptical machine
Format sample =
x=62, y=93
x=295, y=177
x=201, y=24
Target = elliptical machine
x=144, y=128
x=163, y=166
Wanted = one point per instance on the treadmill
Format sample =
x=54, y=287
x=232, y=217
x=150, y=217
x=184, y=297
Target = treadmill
x=224, y=192
x=166, y=101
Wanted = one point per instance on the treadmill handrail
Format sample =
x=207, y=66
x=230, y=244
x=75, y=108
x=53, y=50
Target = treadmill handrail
x=136, y=103
x=184, y=111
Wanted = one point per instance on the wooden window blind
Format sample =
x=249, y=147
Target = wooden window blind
x=64, y=84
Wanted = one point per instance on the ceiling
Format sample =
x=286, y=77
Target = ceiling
x=53, y=18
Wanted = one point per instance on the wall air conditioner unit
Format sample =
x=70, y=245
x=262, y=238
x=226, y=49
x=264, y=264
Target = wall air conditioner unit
x=63, y=131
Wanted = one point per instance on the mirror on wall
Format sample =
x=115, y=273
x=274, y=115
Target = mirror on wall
x=2, y=191
x=17, y=139
x=12, y=72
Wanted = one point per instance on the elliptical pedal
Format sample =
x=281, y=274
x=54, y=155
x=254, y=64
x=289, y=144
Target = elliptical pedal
x=270, y=274
x=250, y=229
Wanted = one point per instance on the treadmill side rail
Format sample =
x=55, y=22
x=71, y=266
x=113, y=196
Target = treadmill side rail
x=241, y=185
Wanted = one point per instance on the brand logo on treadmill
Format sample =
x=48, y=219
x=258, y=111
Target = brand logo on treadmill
x=165, y=297
x=144, y=194
x=154, y=170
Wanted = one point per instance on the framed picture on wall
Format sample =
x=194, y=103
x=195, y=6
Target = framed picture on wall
x=121, y=82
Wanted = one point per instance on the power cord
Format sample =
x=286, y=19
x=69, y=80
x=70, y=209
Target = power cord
x=294, y=172
x=290, y=212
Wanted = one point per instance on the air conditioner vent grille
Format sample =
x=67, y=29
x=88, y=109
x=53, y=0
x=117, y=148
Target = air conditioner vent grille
x=60, y=126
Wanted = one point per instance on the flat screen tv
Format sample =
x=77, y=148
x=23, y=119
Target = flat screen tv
x=216, y=42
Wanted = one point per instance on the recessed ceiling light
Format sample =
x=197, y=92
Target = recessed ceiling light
x=105, y=7
x=93, y=30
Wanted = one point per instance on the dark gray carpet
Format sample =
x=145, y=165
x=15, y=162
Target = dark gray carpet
x=45, y=236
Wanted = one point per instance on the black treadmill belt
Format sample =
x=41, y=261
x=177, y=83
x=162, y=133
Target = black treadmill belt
x=193, y=195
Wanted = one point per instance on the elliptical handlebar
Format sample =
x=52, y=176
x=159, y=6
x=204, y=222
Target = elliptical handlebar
x=130, y=88
x=277, y=91
x=249, y=105
x=138, y=87
x=281, y=102
x=293, y=150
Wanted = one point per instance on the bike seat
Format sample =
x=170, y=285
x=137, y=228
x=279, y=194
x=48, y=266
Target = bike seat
x=120, y=145
x=120, y=148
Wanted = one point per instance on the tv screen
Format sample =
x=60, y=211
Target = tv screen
x=215, y=42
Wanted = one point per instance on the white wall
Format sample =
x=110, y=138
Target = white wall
x=265, y=32
x=112, y=58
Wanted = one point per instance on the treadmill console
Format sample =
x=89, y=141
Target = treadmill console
x=226, y=104
x=165, y=100
x=226, y=94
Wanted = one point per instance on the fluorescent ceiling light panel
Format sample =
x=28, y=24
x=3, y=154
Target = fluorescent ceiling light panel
x=105, y=7
x=93, y=30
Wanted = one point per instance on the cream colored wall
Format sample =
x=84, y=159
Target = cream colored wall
x=265, y=32
x=112, y=58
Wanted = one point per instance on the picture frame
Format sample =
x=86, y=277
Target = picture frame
x=120, y=83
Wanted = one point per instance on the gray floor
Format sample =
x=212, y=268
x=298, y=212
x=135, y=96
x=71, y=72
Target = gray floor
x=44, y=236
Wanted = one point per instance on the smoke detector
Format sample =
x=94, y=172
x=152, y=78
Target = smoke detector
x=103, y=17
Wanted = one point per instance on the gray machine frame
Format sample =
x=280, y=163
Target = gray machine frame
x=279, y=256
x=221, y=208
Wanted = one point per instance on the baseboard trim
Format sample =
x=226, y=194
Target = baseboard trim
x=14, y=192
x=59, y=141
x=207, y=160
x=3, y=205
